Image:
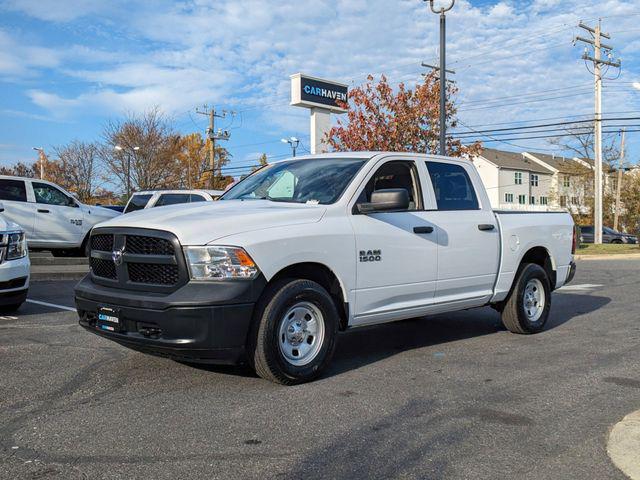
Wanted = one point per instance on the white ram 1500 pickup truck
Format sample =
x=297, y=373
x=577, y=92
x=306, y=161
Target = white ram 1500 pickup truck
x=307, y=247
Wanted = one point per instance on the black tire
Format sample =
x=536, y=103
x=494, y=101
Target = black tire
x=616, y=241
x=514, y=316
x=264, y=346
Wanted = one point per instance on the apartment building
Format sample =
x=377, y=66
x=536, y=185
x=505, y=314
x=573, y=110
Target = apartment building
x=515, y=181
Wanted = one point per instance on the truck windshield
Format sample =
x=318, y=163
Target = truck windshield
x=315, y=180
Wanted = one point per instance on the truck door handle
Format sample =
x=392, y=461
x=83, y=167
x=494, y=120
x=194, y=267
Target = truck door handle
x=486, y=226
x=42, y=210
x=422, y=229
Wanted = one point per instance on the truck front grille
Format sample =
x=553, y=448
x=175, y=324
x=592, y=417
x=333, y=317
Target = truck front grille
x=154, y=274
x=148, y=245
x=137, y=259
x=103, y=243
x=103, y=268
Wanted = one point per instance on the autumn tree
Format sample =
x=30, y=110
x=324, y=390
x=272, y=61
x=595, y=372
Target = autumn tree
x=262, y=161
x=76, y=168
x=144, y=146
x=402, y=120
x=19, y=169
x=194, y=169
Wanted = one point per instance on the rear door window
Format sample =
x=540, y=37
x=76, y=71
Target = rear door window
x=137, y=202
x=172, y=199
x=452, y=187
x=13, y=190
x=196, y=198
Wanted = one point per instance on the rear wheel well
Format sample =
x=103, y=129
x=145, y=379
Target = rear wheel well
x=322, y=275
x=540, y=256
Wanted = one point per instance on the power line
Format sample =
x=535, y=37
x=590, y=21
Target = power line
x=544, y=125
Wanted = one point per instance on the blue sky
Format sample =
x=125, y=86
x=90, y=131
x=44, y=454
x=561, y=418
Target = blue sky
x=68, y=66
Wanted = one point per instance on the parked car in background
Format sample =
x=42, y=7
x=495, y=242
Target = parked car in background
x=609, y=235
x=115, y=208
x=52, y=219
x=306, y=247
x=14, y=265
x=160, y=198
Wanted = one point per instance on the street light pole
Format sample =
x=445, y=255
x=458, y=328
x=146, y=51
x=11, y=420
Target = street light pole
x=41, y=157
x=443, y=75
x=293, y=141
x=135, y=150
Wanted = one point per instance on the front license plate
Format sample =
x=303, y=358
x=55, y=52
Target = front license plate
x=108, y=319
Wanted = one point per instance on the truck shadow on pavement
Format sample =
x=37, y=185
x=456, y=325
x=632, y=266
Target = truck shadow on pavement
x=362, y=346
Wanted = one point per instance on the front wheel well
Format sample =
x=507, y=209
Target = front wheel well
x=322, y=275
x=540, y=256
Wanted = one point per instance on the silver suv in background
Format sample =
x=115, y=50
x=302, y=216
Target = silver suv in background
x=160, y=198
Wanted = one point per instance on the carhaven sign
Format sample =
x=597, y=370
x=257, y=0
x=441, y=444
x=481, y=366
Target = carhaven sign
x=311, y=92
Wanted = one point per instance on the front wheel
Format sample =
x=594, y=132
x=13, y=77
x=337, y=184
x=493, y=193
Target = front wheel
x=295, y=334
x=526, y=309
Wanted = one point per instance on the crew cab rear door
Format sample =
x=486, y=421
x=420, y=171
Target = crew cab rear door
x=396, y=252
x=467, y=231
x=15, y=201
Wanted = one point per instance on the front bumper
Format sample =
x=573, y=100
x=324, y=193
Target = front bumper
x=202, y=322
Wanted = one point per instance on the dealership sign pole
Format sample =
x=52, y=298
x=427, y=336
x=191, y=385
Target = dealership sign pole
x=322, y=97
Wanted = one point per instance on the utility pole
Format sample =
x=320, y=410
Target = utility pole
x=596, y=43
x=212, y=135
x=619, y=183
x=443, y=75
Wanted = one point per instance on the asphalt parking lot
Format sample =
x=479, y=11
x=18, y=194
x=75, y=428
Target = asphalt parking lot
x=449, y=396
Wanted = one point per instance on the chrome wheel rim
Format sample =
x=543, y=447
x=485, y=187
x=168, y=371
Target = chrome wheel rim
x=301, y=334
x=533, y=300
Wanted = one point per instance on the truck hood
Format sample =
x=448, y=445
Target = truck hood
x=6, y=225
x=206, y=222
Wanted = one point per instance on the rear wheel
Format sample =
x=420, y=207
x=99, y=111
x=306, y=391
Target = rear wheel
x=526, y=309
x=295, y=332
x=617, y=241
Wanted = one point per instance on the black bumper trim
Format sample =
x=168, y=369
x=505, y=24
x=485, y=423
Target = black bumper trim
x=13, y=298
x=209, y=334
x=572, y=272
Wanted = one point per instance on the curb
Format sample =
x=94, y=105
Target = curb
x=609, y=256
x=624, y=444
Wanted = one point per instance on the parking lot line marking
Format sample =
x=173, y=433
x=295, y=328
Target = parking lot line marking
x=46, y=304
x=579, y=287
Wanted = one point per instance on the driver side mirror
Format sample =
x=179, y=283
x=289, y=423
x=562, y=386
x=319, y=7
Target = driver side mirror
x=390, y=199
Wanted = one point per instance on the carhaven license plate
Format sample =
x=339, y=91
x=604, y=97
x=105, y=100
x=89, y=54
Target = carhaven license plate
x=108, y=319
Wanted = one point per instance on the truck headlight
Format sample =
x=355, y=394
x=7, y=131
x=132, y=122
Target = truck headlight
x=16, y=245
x=220, y=263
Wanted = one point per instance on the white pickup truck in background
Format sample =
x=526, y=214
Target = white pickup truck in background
x=306, y=247
x=162, y=198
x=51, y=217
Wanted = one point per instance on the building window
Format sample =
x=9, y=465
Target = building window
x=534, y=180
x=566, y=181
x=518, y=178
x=522, y=199
x=508, y=197
x=544, y=200
x=563, y=200
x=574, y=200
x=532, y=200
